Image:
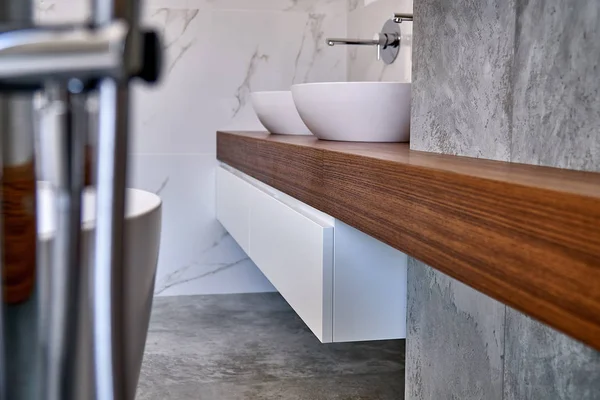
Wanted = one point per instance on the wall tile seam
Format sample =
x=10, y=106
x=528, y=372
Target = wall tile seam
x=510, y=99
x=503, y=356
x=511, y=83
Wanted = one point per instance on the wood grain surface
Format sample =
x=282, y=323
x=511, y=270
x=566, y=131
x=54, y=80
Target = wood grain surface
x=19, y=230
x=528, y=236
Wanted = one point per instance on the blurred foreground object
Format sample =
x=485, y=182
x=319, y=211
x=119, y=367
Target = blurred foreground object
x=41, y=320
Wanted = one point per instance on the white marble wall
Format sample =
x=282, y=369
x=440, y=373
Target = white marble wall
x=365, y=19
x=217, y=52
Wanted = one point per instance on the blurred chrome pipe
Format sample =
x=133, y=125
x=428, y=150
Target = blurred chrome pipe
x=109, y=273
x=65, y=282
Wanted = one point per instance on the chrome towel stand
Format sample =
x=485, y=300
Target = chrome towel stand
x=72, y=63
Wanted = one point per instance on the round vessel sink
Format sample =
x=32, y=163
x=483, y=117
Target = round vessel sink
x=277, y=112
x=355, y=111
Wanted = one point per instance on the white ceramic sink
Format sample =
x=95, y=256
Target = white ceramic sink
x=355, y=111
x=277, y=112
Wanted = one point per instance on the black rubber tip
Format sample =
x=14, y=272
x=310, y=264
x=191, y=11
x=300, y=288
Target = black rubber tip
x=152, y=58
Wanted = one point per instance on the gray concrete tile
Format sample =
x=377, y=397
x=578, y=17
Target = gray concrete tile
x=221, y=345
x=389, y=386
x=556, y=90
x=455, y=339
x=462, y=60
x=543, y=364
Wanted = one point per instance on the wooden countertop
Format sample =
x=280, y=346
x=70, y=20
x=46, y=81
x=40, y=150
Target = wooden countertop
x=528, y=236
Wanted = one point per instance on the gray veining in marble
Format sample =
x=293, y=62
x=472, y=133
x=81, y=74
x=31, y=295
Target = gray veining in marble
x=353, y=4
x=253, y=346
x=243, y=91
x=174, y=279
x=522, y=85
x=182, y=275
x=171, y=16
x=173, y=27
x=455, y=339
x=313, y=32
x=162, y=186
x=462, y=58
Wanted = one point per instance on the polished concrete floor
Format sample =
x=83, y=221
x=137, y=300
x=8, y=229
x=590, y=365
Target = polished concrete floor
x=253, y=346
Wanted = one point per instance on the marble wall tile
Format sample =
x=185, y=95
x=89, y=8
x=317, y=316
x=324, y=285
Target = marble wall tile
x=463, y=54
x=314, y=61
x=251, y=5
x=197, y=255
x=455, y=339
x=366, y=21
x=60, y=11
x=217, y=52
x=282, y=48
x=177, y=116
x=354, y=4
x=216, y=57
x=72, y=10
x=556, y=94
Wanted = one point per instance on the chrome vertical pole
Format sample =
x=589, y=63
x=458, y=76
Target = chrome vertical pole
x=60, y=360
x=108, y=274
x=108, y=277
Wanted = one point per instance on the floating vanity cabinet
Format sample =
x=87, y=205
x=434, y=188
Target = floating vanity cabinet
x=344, y=284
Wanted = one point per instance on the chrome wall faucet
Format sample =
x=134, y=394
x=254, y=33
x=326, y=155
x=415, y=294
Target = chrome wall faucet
x=387, y=41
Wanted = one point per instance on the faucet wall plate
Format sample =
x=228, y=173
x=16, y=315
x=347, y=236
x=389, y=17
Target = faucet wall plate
x=389, y=52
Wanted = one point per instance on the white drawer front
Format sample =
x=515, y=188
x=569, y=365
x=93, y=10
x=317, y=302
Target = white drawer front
x=296, y=254
x=233, y=206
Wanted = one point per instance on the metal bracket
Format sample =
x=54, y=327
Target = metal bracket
x=31, y=57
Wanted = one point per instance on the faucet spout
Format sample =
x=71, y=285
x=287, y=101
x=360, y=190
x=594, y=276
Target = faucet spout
x=353, y=42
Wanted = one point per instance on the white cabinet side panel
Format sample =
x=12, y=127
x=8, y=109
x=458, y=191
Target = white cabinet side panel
x=369, y=288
